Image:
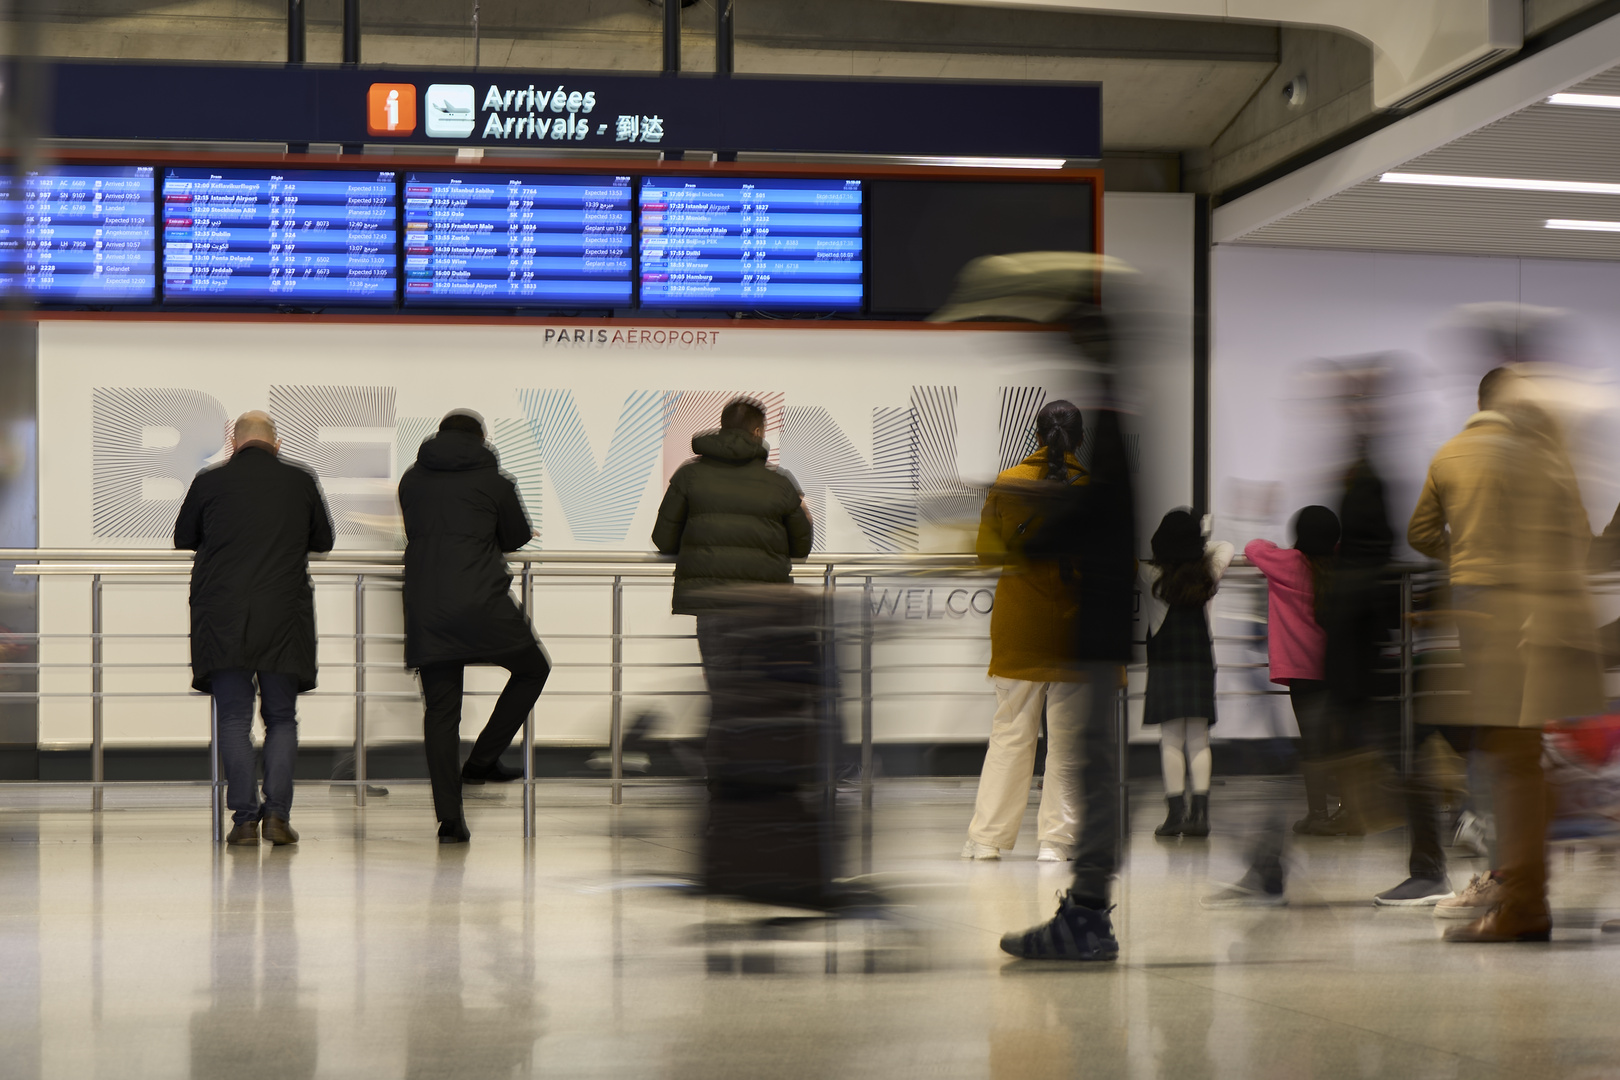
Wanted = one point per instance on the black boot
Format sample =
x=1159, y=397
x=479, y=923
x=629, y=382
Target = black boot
x=1176, y=819
x=1197, y=817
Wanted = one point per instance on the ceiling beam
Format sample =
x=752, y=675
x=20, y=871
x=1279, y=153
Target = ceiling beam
x=1526, y=82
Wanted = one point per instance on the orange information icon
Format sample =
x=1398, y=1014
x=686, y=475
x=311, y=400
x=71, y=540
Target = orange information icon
x=391, y=109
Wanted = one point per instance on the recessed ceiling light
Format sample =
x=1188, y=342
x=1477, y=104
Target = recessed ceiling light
x=1501, y=183
x=1587, y=101
x=1583, y=226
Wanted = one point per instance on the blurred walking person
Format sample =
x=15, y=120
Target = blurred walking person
x=253, y=519
x=462, y=515
x=734, y=523
x=1180, y=700
x=1501, y=508
x=1031, y=652
x=1092, y=531
x=1362, y=615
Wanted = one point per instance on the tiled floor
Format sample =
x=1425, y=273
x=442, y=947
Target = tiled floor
x=132, y=947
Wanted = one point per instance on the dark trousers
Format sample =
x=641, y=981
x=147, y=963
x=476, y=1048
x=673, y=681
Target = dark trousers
x=441, y=720
x=723, y=666
x=278, y=698
x=1421, y=788
x=1316, y=740
x=1096, y=855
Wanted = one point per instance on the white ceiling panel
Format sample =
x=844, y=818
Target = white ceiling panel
x=1539, y=142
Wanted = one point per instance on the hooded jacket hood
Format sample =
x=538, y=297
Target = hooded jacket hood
x=730, y=444
x=455, y=451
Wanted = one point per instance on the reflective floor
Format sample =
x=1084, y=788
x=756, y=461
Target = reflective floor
x=132, y=947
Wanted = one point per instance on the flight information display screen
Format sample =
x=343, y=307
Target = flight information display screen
x=80, y=234
x=751, y=243
x=279, y=236
x=480, y=238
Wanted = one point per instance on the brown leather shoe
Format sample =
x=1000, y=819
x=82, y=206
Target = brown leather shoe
x=278, y=832
x=1503, y=923
x=244, y=835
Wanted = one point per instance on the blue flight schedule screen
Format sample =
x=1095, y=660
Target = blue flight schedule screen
x=279, y=236
x=751, y=243
x=80, y=234
x=495, y=240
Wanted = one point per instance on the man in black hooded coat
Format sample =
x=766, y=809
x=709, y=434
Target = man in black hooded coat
x=253, y=520
x=462, y=514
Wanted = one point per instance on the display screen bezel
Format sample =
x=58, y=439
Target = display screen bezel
x=638, y=169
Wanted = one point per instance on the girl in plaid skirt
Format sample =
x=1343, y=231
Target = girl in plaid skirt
x=1181, y=580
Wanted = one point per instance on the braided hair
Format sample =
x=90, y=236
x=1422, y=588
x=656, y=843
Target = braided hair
x=1061, y=429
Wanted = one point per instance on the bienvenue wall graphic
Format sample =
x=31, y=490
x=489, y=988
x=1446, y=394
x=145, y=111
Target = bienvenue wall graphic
x=892, y=434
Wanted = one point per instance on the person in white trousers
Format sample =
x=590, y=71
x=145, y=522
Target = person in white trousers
x=1031, y=644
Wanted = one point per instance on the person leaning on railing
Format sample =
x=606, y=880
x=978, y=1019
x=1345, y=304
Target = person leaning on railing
x=253, y=520
x=1031, y=650
x=462, y=514
x=731, y=519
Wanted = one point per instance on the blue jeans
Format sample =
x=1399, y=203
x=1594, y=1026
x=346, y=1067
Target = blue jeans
x=278, y=704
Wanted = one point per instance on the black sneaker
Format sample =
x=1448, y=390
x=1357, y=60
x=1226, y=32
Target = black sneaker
x=491, y=774
x=1416, y=892
x=1076, y=932
x=1244, y=895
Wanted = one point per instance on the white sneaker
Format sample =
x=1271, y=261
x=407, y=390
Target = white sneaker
x=1052, y=853
x=975, y=850
x=1473, y=836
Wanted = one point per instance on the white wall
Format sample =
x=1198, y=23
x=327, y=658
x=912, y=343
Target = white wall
x=377, y=388
x=1277, y=445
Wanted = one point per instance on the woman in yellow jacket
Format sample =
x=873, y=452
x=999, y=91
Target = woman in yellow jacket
x=1031, y=635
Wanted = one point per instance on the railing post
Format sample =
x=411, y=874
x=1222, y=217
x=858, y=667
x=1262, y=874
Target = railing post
x=97, y=745
x=832, y=725
x=1122, y=732
x=360, y=689
x=528, y=722
x=216, y=783
x=616, y=729
x=866, y=695
x=1408, y=751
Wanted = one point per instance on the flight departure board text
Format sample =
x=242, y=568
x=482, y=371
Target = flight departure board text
x=751, y=244
x=481, y=238
x=279, y=236
x=80, y=234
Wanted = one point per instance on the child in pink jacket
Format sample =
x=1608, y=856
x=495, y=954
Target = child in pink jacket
x=1298, y=645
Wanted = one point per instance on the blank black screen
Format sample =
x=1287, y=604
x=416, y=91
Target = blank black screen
x=920, y=233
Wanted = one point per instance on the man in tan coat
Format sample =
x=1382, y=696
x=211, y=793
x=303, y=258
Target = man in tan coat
x=1501, y=507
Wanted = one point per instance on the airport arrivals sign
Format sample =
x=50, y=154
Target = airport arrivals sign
x=334, y=104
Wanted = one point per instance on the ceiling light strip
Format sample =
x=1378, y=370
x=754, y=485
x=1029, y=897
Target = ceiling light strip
x=1583, y=226
x=1501, y=183
x=1586, y=101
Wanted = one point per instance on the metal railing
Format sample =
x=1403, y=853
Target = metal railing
x=369, y=569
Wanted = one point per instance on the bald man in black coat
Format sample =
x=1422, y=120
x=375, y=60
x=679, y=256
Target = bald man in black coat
x=253, y=520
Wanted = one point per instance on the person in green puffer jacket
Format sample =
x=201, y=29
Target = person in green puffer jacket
x=729, y=517
x=733, y=521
